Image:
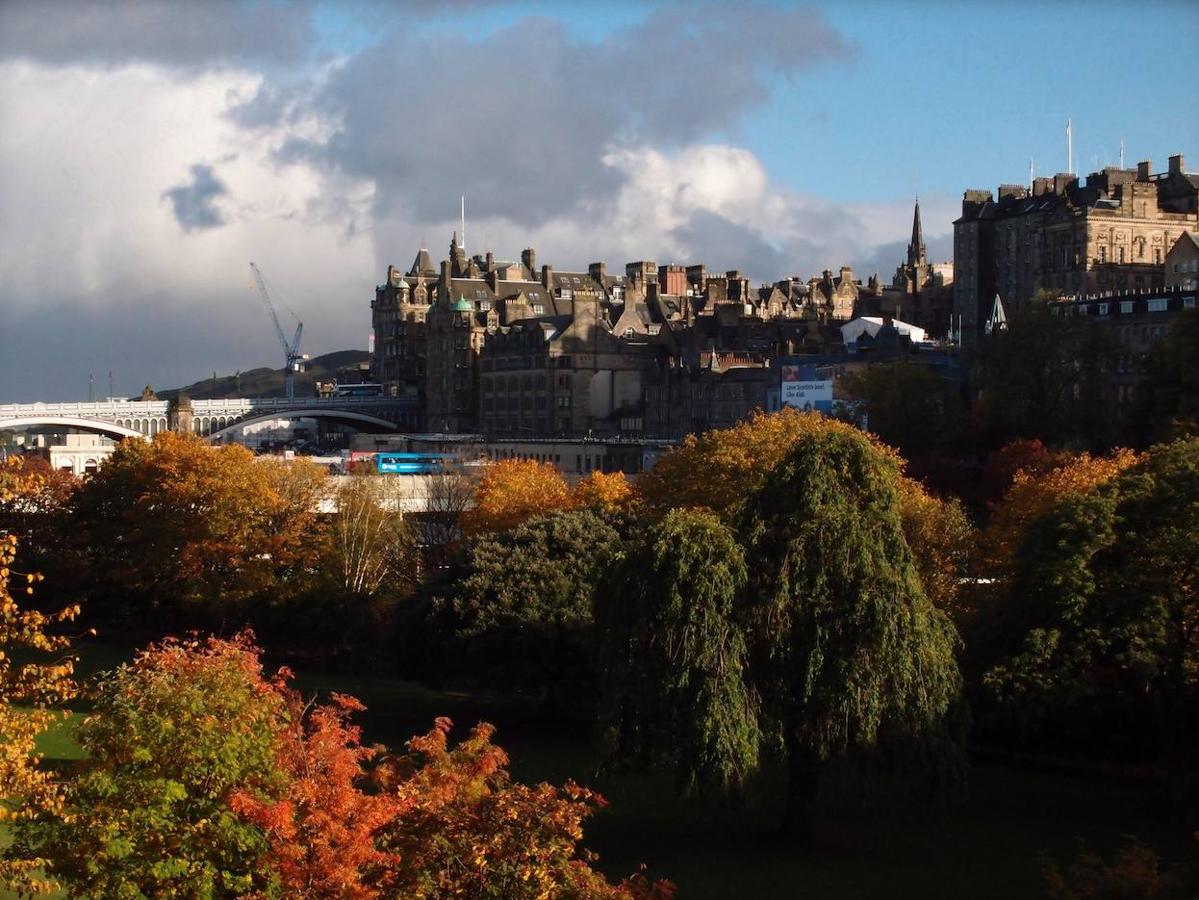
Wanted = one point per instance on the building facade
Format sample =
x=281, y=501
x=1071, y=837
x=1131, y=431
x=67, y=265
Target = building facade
x=1110, y=232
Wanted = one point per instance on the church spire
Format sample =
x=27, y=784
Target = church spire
x=917, y=253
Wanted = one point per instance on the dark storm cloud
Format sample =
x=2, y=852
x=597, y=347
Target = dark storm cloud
x=193, y=203
x=67, y=32
x=520, y=120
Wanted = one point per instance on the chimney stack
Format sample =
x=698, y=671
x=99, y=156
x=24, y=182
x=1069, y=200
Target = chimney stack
x=547, y=277
x=1176, y=164
x=528, y=257
x=1144, y=169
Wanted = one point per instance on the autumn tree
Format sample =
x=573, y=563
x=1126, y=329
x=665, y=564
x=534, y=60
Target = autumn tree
x=197, y=531
x=321, y=832
x=943, y=543
x=513, y=491
x=674, y=656
x=605, y=491
x=718, y=469
x=29, y=691
x=466, y=829
x=1030, y=457
x=371, y=544
x=518, y=613
x=1135, y=873
x=448, y=494
x=172, y=736
x=1101, y=613
x=205, y=778
x=851, y=649
x=1034, y=490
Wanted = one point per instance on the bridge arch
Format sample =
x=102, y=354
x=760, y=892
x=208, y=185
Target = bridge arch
x=109, y=429
x=343, y=415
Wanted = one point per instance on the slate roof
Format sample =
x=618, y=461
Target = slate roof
x=423, y=264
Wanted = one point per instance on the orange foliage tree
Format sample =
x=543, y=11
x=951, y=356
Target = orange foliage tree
x=513, y=491
x=720, y=468
x=466, y=829
x=205, y=777
x=28, y=691
x=1034, y=492
x=321, y=833
x=607, y=491
x=174, y=522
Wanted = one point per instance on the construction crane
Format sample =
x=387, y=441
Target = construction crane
x=293, y=361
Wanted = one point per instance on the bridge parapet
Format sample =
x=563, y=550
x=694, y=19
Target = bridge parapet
x=208, y=416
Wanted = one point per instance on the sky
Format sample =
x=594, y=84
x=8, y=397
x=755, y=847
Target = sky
x=150, y=150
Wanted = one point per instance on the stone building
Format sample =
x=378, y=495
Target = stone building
x=1136, y=322
x=1182, y=262
x=921, y=292
x=1109, y=233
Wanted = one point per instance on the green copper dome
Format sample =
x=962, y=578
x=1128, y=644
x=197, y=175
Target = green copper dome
x=463, y=305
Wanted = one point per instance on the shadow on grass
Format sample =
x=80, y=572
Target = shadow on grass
x=993, y=844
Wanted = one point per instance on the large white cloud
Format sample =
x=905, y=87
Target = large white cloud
x=88, y=228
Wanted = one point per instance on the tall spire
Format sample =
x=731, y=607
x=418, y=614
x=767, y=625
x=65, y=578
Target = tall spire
x=917, y=253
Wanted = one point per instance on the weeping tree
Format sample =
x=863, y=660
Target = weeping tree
x=849, y=649
x=673, y=653
x=817, y=640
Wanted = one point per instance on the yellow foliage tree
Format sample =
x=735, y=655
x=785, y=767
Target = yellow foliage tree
x=718, y=469
x=1033, y=493
x=513, y=491
x=608, y=491
x=941, y=537
x=175, y=521
x=27, y=691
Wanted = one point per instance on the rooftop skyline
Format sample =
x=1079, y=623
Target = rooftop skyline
x=153, y=149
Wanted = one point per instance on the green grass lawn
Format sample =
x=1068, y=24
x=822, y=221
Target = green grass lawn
x=993, y=844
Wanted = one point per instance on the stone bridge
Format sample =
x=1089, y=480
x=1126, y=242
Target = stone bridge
x=214, y=419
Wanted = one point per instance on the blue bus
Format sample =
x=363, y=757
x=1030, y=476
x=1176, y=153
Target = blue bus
x=414, y=463
x=358, y=390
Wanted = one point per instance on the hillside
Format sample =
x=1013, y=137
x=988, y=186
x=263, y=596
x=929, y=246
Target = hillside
x=264, y=382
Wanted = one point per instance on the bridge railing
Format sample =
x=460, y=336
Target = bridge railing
x=236, y=406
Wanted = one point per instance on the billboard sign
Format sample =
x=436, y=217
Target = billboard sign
x=802, y=389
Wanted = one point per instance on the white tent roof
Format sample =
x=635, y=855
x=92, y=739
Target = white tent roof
x=870, y=325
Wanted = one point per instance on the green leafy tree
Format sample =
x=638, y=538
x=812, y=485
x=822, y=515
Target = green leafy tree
x=910, y=407
x=1043, y=377
x=173, y=736
x=834, y=651
x=850, y=647
x=675, y=656
x=1103, y=612
x=1166, y=402
x=519, y=612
